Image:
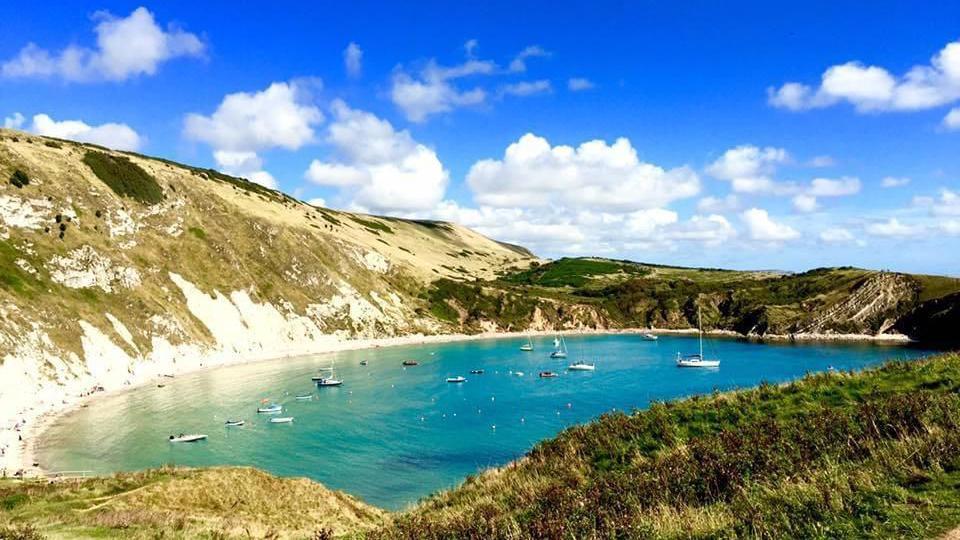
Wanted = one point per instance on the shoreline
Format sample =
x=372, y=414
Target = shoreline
x=36, y=421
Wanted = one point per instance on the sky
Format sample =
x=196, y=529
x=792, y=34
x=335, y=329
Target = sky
x=720, y=134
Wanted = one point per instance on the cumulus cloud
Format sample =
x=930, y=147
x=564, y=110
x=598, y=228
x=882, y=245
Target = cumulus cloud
x=526, y=88
x=952, y=120
x=433, y=91
x=14, y=121
x=281, y=116
x=763, y=228
x=519, y=62
x=718, y=205
x=353, y=60
x=749, y=169
x=894, y=181
x=111, y=135
x=873, y=88
x=378, y=167
x=805, y=203
x=838, y=235
x=948, y=204
x=822, y=162
x=894, y=228
x=532, y=173
x=126, y=47
x=579, y=84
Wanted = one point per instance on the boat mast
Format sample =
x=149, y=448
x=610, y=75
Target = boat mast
x=700, y=329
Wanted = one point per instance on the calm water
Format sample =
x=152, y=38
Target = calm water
x=391, y=435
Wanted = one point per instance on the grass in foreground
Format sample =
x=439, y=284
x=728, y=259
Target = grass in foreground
x=181, y=503
x=873, y=454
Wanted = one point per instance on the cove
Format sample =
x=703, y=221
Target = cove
x=393, y=434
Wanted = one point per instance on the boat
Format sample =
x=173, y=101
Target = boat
x=548, y=374
x=518, y=373
x=457, y=379
x=528, y=346
x=332, y=380
x=281, y=420
x=188, y=438
x=363, y=362
x=305, y=397
x=273, y=408
x=411, y=363
x=476, y=372
x=582, y=366
x=234, y=423
x=697, y=360
x=648, y=336
x=559, y=348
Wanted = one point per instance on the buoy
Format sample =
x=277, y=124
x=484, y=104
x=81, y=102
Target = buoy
x=522, y=420
x=493, y=426
x=569, y=405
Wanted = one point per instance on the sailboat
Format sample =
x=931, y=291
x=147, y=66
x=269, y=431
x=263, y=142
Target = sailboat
x=697, y=360
x=559, y=348
x=528, y=346
x=581, y=365
x=332, y=380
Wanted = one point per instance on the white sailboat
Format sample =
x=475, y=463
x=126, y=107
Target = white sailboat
x=581, y=365
x=528, y=346
x=697, y=360
x=559, y=348
x=330, y=380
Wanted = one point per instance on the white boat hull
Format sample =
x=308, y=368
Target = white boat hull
x=284, y=420
x=581, y=367
x=188, y=438
x=698, y=363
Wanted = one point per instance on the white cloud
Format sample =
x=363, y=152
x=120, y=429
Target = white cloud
x=433, y=92
x=764, y=229
x=893, y=228
x=717, y=205
x=111, y=135
x=519, y=62
x=126, y=47
x=822, y=162
x=527, y=88
x=594, y=175
x=470, y=48
x=748, y=168
x=281, y=116
x=948, y=204
x=805, y=203
x=837, y=236
x=318, y=201
x=951, y=227
x=578, y=84
x=378, y=167
x=873, y=88
x=829, y=187
x=353, y=60
x=14, y=121
x=952, y=120
x=894, y=181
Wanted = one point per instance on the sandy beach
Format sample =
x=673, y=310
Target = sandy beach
x=33, y=420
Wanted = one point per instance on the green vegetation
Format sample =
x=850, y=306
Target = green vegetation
x=124, y=177
x=198, y=232
x=572, y=272
x=53, y=144
x=509, y=310
x=838, y=455
x=181, y=503
x=371, y=224
x=19, y=179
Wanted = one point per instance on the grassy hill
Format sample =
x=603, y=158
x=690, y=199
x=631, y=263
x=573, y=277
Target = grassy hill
x=873, y=454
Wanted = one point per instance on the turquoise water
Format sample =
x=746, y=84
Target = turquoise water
x=392, y=435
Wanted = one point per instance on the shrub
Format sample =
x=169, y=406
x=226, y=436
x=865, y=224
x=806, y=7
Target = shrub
x=124, y=177
x=53, y=144
x=19, y=179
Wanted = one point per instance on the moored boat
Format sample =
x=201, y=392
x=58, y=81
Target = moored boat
x=476, y=372
x=304, y=397
x=647, y=336
x=281, y=420
x=187, y=438
x=270, y=409
x=234, y=423
x=559, y=348
x=582, y=366
x=457, y=379
x=411, y=363
x=697, y=360
x=548, y=374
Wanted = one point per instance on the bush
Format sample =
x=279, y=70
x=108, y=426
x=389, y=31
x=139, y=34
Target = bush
x=19, y=179
x=124, y=177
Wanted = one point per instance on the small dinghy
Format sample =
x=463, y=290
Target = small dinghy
x=305, y=397
x=363, y=362
x=518, y=373
x=548, y=374
x=270, y=409
x=282, y=420
x=187, y=438
x=582, y=366
x=234, y=423
x=457, y=379
x=411, y=363
x=649, y=337
x=476, y=372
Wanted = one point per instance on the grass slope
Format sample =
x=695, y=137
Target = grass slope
x=841, y=455
x=182, y=503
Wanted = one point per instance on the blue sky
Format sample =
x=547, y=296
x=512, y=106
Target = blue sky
x=750, y=136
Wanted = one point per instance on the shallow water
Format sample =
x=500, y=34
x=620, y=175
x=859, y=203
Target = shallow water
x=390, y=434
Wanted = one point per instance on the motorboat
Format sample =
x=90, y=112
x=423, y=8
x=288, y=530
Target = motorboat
x=648, y=336
x=282, y=420
x=411, y=363
x=304, y=397
x=187, y=438
x=548, y=374
x=476, y=372
x=457, y=379
x=273, y=408
x=234, y=423
x=582, y=366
